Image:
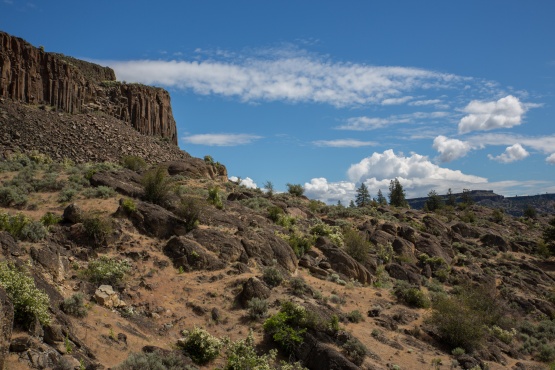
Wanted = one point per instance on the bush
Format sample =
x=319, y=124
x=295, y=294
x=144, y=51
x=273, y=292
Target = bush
x=257, y=308
x=332, y=232
x=201, y=346
x=157, y=185
x=97, y=228
x=133, y=162
x=103, y=192
x=356, y=246
x=129, y=205
x=29, y=302
x=355, y=351
x=67, y=194
x=287, y=327
x=215, y=198
x=272, y=276
x=154, y=361
x=105, y=270
x=300, y=243
x=50, y=219
x=295, y=189
x=189, y=210
x=411, y=296
x=12, y=196
x=274, y=213
x=74, y=305
x=355, y=316
x=21, y=227
x=298, y=286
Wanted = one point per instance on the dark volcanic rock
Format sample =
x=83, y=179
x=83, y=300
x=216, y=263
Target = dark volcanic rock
x=316, y=355
x=253, y=288
x=187, y=253
x=155, y=220
x=341, y=262
x=123, y=181
x=197, y=168
x=266, y=247
x=33, y=76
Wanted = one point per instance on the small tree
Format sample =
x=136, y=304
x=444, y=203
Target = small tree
x=157, y=184
x=380, y=198
x=352, y=204
x=434, y=201
x=397, y=194
x=466, y=198
x=451, y=198
x=363, y=196
x=295, y=189
x=530, y=211
x=269, y=186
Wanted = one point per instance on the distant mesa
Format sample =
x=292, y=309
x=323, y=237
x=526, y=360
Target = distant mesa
x=30, y=75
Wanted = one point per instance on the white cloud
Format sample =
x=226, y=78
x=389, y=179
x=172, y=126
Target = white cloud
x=482, y=116
x=344, y=143
x=418, y=103
x=396, y=101
x=371, y=123
x=544, y=144
x=287, y=76
x=246, y=182
x=512, y=153
x=330, y=192
x=220, y=139
x=551, y=159
x=450, y=149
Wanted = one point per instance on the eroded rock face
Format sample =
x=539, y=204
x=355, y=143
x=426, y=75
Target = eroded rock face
x=341, y=262
x=31, y=75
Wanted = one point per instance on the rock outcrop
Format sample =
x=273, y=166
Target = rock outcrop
x=31, y=75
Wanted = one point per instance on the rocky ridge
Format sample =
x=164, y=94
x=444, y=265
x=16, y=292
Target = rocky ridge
x=33, y=76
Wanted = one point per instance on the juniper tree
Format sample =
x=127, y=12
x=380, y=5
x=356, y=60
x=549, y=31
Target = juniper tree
x=380, y=198
x=397, y=194
x=434, y=201
x=363, y=196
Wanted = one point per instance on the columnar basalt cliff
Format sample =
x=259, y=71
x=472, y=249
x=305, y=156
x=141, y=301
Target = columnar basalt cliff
x=31, y=75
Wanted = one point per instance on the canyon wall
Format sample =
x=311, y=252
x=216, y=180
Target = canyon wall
x=31, y=75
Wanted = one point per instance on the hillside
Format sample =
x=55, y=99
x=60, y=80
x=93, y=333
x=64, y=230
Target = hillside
x=120, y=251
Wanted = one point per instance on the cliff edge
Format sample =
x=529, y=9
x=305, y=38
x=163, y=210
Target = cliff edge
x=31, y=75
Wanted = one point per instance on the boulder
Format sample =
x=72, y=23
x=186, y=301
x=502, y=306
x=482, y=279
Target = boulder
x=73, y=214
x=9, y=246
x=428, y=244
x=124, y=181
x=317, y=355
x=404, y=272
x=198, y=169
x=380, y=237
x=341, y=262
x=253, y=288
x=107, y=297
x=265, y=246
x=492, y=239
x=154, y=220
x=190, y=255
x=226, y=246
x=465, y=230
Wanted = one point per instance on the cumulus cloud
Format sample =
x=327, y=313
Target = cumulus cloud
x=344, y=143
x=551, y=159
x=220, y=139
x=544, y=144
x=330, y=192
x=512, y=153
x=450, y=149
x=246, y=182
x=418, y=103
x=364, y=123
x=280, y=76
x=506, y=112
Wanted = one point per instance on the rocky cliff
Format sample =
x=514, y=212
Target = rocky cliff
x=31, y=75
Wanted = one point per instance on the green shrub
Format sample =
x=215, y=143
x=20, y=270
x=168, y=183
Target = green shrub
x=241, y=355
x=29, y=302
x=298, y=286
x=50, y=219
x=355, y=316
x=74, y=305
x=215, y=198
x=274, y=213
x=332, y=232
x=106, y=270
x=190, y=210
x=21, y=227
x=272, y=276
x=410, y=295
x=97, y=228
x=287, y=327
x=355, y=351
x=155, y=361
x=103, y=192
x=133, y=162
x=257, y=308
x=157, y=185
x=295, y=189
x=356, y=246
x=129, y=205
x=300, y=243
x=11, y=196
x=201, y=346
x=67, y=194
x=546, y=353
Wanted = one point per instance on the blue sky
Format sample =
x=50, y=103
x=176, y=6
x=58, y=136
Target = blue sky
x=329, y=94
